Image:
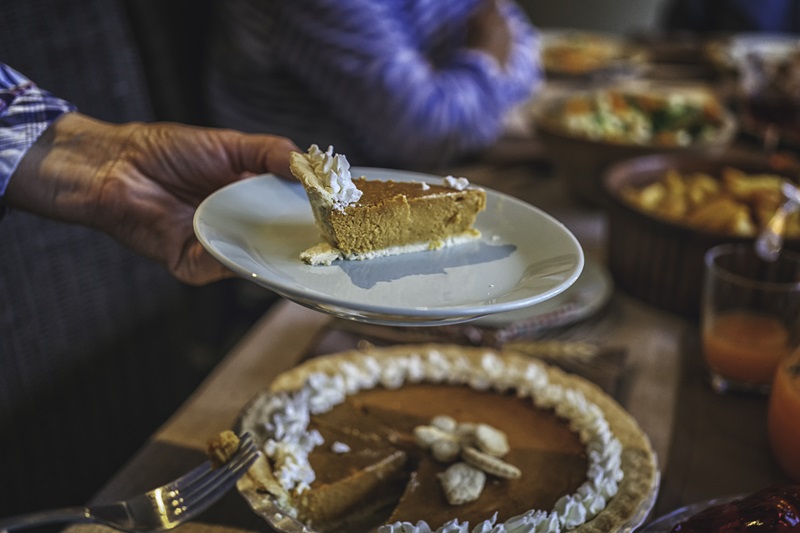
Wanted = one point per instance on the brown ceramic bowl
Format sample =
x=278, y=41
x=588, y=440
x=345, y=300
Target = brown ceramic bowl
x=657, y=261
x=573, y=53
x=581, y=161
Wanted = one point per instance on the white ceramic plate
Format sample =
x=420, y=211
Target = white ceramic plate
x=665, y=523
x=259, y=226
x=765, y=45
x=586, y=296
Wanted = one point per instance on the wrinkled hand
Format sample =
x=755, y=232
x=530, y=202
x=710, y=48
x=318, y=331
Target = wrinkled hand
x=141, y=183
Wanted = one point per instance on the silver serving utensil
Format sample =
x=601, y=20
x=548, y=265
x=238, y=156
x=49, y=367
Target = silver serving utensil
x=160, y=509
x=770, y=241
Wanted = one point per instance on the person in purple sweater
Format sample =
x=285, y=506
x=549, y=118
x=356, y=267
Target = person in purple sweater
x=405, y=83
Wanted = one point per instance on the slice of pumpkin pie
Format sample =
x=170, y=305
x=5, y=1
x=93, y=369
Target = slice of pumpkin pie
x=362, y=219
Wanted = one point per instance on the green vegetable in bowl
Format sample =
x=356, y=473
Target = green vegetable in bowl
x=640, y=118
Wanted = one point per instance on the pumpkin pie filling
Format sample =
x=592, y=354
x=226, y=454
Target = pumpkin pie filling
x=362, y=219
x=550, y=455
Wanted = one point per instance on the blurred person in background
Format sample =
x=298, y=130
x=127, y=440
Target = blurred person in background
x=411, y=83
x=733, y=16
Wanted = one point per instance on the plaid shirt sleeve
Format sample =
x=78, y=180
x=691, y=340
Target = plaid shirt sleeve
x=25, y=112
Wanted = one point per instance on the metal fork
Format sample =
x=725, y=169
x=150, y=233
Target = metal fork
x=163, y=508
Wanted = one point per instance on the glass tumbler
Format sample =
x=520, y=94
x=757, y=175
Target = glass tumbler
x=783, y=417
x=750, y=317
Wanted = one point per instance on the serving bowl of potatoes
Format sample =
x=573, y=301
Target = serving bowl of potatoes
x=666, y=211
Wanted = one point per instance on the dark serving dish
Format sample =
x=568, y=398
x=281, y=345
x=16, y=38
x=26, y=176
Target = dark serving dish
x=581, y=158
x=658, y=261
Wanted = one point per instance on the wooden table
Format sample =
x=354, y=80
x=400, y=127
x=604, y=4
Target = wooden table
x=707, y=445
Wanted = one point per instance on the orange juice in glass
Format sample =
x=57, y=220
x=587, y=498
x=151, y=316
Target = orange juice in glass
x=784, y=416
x=750, y=315
x=745, y=346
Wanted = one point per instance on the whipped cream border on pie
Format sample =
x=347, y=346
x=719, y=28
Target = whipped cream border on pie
x=283, y=416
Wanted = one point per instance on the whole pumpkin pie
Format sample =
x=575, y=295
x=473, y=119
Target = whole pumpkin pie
x=362, y=219
x=433, y=437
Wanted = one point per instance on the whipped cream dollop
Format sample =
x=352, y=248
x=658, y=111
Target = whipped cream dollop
x=333, y=172
x=340, y=447
x=284, y=417
x=458, y=184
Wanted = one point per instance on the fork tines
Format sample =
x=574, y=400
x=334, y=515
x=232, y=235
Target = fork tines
x=215, y=481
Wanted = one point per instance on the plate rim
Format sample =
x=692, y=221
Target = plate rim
x=665, y=522
x=563, y=314
x=387, y=314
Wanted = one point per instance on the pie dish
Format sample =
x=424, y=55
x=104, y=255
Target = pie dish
x=342, y=453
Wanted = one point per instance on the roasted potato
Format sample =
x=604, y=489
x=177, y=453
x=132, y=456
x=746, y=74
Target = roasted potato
x=735, y=203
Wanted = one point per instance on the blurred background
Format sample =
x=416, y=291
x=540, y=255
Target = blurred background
x=623, y=16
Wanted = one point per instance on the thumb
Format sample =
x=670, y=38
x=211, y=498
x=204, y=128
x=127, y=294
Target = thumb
x=259, y=154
